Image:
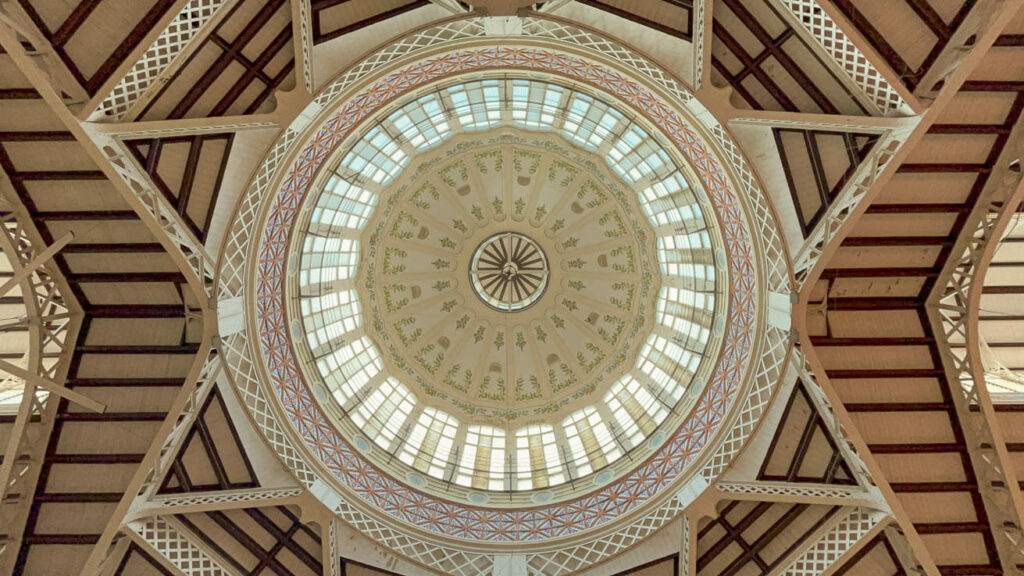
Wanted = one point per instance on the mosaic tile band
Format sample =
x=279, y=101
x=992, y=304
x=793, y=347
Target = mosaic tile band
x=454, y=519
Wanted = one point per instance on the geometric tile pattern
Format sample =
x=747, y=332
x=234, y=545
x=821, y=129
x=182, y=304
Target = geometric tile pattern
x=452, y=518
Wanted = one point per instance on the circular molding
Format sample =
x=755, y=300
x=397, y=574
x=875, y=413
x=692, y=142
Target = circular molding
x=750, y=364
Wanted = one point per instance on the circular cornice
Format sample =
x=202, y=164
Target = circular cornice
x=459, y=524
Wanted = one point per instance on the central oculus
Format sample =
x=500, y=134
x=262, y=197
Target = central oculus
x=509, y=272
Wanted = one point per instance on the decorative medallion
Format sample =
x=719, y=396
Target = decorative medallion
x=509, y=272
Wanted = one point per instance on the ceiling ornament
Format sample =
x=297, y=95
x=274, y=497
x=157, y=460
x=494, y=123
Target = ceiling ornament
x=340, y=474
x=509, y=272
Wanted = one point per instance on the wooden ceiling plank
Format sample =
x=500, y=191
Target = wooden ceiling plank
x=959, y=37
x=284, y=539
x=128, y=45
x=135, y=311
x=249, y=65
x=129, y=247
x=889, y=272
x=134, y=550
x=734, y=535
x=246, y=541
x=633, y=17
x=30, y=25
x=774, y=46
x=125, y=382
x=96, y=458
x=210, y=448
x=255, y=71
x=877, y=41
x=74, y=21
x=930, y=17
x=198, y=89
x=738, y=51
x=320, y=36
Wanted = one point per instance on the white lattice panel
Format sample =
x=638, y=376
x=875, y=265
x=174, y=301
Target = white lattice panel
x=791, y=490
x=181, y=30
x=831, y=546
x=450, y=32
x=50, y=322
x=331, y=547
x=848, y=58
x=198, y=266
x=172, y=443
x=831, y=420
x=170, y=543
x=305, y=42
x=214, y=499
x=132, y=130
x=757, y=203
x=954, y=307
x=769, y=371
x=685, y=549
x=231, y=272
x=700, y=8
x=571, y=559
x=246, y=382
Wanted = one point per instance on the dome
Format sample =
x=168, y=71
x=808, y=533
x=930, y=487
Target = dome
x=509, y=284
x=623, y=371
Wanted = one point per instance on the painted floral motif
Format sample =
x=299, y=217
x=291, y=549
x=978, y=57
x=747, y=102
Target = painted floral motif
x=585, y=212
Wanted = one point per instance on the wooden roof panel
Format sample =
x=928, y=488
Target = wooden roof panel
x=754, y=537
x=238, y=70
x=93, y=37
x=235, y=69
x=769, y=66
x=672, y=17
x=142, y=293
x=256, y=539
x=908, y=34
x=335, y=18
x=189, y=171
x=137, y=562
x=876, y=558
x=212, y=456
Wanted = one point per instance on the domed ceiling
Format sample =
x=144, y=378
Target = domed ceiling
x=499, y=284
x=510, y=307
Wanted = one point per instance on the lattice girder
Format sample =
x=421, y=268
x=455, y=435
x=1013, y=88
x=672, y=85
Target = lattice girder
x=163, y=57
x=953, y=308
x=165, y=537
x=849, y=63
x=53, y=318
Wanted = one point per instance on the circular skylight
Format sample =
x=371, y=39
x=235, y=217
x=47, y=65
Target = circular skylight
x=502, y=195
